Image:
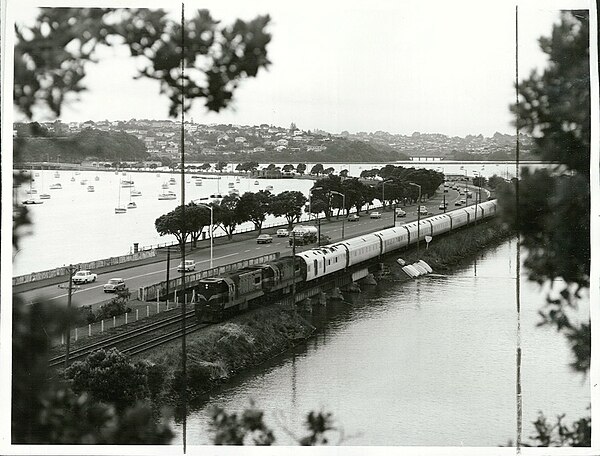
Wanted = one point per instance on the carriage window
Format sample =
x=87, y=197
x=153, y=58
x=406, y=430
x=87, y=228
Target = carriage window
x=316, y=267
x=256, y=280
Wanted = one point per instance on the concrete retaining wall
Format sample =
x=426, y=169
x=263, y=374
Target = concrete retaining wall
x=51, y=273
x=151, y=292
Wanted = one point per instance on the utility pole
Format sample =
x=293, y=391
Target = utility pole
x=71, y=270
x=293, y=270
x=168, y=262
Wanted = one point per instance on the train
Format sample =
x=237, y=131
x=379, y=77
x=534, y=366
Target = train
x=219, y=297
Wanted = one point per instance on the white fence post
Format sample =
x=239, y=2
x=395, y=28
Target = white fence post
x=147, y=311
x=90, y=330
x=75, y=334
x=114, y=321
x=102, y=326
x=136, y=314
x=62, y=339
x=157, y=306
x=126, y=317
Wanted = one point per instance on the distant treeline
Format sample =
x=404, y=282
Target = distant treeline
x=75, y=148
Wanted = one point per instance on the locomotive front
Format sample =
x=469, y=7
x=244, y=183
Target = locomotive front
x=211, y=298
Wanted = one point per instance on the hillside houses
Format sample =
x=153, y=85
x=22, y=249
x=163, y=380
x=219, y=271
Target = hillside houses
x=161, y=139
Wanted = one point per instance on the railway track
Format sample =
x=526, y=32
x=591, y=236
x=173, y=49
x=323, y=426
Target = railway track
x=123, y=340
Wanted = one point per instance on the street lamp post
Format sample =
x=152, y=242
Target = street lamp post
x=443, y=188
x=211, y=225
x=418, y=215
x=383, y=191
x=343, y=205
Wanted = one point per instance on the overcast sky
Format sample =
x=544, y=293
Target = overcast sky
x=399, y=66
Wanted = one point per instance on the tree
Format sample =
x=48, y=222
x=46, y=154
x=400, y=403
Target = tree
x=288, y=204
x=479, y=181
x=550, y=208
x=329, y=170
x=205, y=166
x=344, y=173
x=173, y=223
x=317, y=169
x=287, y=168
x=255, y=207
x=228, y=214
x=197, y=217
x=301, y=168
x=495, y=181
x=47, y=411
x=215, y=57
x=220, y=166
x=110, y=378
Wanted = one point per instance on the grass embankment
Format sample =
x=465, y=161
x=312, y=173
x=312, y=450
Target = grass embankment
x=221, y=351
x=447, y=252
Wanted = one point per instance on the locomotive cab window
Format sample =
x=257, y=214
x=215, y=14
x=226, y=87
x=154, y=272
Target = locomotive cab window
x=256, y=280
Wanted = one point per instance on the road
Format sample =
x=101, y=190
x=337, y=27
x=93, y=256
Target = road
x=147, y=274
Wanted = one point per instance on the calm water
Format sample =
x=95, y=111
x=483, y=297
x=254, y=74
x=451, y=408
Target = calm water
x=430, y=362
x=76, y=225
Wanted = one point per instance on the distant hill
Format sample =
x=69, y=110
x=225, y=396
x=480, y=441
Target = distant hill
x=87, y=144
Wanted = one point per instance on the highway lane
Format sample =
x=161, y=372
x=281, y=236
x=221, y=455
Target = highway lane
x=141, y=275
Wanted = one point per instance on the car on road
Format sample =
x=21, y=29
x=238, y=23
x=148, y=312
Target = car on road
x=264, y=239
x=190, y=265
x=353, y=218
x=282, y=232
x=114, y=285
x=423, y=210
x=458, y=203
x=84, y=277
x=400, y=213
x=463, y=201
x=442, y=206
x=375, y=215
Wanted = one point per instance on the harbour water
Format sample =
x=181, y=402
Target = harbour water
x=76, y=225
x=428, y=362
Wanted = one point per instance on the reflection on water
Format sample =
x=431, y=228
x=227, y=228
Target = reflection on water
x=429, y=362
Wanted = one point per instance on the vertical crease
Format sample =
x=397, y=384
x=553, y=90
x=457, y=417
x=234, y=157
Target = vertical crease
x=518, y=254
x=183, y=299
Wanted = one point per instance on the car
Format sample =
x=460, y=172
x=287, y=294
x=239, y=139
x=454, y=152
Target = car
x=458, y=203
x=442, y=206
x=190, y=265
x=423, y=210
x=400, y=213
x=84, y=277
x=114, y=285
x=375, y=215
x=353, y=218
x=463, y=201
x=264, y=239
x=282, y=232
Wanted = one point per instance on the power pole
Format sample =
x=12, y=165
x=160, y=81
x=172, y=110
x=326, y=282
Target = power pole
x=71, y=270
x=168, y=262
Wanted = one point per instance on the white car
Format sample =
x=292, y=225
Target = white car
x=282, y=232
x=375, y=215
x=400, y=213
x=114, y=285
x=84, y=277
x=190, y=265
x=423, y=210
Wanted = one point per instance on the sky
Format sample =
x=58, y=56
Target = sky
x=398, y=66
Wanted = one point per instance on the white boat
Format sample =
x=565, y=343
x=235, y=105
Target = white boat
x=231, y=185
x=77, y=173
x=124, y=173
x=56, y=187
x=56, y=174
x=237, y=181
x=91, y=188
x=83, y=181
x=73, y=179
x=256, y=183
x=165, y=186
x=131, y=205
x=31, y=191
x=37, y=174
x=172, y=181
x=126, y=183
x=97, y=178
x=32, y=201
x=135, y=193
x=167, y=196
x=157, y=174
x=269, y=187
x=45, y=196
x=199, y=183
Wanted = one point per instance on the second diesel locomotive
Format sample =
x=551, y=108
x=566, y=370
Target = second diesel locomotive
x=217, y=297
